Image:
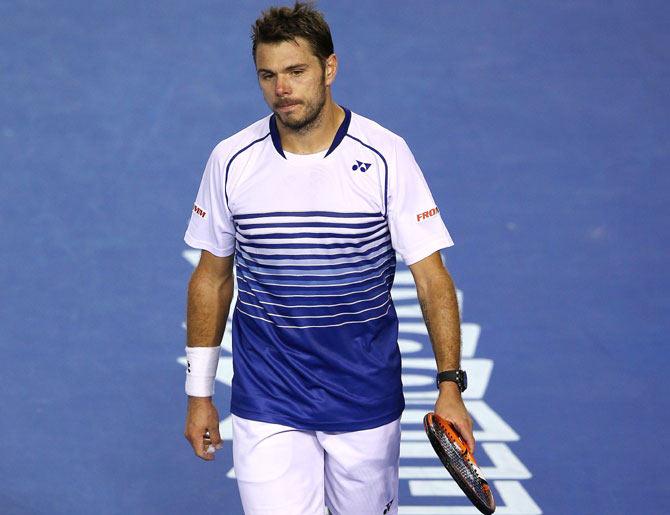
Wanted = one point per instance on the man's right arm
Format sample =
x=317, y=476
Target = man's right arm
x=210, y=293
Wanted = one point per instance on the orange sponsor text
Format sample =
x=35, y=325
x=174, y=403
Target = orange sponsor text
x=427, y=214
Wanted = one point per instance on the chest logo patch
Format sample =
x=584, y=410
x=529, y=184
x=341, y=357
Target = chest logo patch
x=363, y=167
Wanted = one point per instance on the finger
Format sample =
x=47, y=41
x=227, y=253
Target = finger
x=202, y=453
x=216, y=437
x=206, y=439
x=209, y=443
x=470, y=441
x=465, y=430
x=470, y=437
x=198, y=448
x=206, y=447
x=207, y=456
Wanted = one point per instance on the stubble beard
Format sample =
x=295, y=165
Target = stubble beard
x=311, y=119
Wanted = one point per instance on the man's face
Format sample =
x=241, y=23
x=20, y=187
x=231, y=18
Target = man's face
x=293, y=81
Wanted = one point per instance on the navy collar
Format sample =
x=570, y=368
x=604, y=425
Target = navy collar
x=339, y=135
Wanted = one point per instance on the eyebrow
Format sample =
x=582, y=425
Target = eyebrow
x=287, y=69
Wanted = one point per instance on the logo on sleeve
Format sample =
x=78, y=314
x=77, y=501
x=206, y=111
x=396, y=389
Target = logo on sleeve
x=199, y=211
x=427, y=214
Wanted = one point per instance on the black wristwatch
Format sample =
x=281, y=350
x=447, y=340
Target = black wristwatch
x=460, y=377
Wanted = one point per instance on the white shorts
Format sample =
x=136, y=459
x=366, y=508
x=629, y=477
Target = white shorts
x=285, y=471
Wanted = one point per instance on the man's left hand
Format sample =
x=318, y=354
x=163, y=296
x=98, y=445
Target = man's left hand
x=450, y=407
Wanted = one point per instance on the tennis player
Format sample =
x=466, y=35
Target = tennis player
x=312, y=203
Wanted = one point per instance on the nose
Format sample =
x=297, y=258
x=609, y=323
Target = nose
x=282, y=87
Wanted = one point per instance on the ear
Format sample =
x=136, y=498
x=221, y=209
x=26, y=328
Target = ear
x=330, y=70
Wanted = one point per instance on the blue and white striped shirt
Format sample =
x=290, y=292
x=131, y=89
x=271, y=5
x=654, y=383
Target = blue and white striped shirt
x=315, y=240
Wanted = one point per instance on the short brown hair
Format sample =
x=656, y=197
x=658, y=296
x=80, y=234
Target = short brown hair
x=278, y=24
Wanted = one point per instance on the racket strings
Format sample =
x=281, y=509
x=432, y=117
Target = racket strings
x=463, y=467
x=456, y=458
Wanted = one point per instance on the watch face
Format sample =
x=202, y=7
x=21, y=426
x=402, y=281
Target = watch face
x=464, y=380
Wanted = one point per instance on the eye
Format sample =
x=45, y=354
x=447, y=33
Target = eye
x=296, y=73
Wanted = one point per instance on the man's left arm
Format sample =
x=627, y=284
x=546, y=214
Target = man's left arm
x=437, y=297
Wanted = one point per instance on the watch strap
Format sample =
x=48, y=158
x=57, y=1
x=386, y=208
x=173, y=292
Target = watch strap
x=457, y=376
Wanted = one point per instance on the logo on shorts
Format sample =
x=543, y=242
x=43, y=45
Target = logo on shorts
x=363, y=167
x=388, y=506
x=427, y=214
x=199, y=211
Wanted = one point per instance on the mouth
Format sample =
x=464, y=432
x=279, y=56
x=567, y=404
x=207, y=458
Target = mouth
x=286, y=107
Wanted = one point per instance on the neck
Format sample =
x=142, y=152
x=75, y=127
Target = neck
x=317, y=136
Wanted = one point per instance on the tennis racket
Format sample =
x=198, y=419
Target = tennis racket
x=457, y=459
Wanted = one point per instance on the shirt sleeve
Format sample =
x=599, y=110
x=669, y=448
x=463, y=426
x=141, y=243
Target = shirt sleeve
x=211, y=226
x=417, y=229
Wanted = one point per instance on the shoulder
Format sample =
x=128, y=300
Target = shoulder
x=232, y=146
x=369, y=130
x=372, y=134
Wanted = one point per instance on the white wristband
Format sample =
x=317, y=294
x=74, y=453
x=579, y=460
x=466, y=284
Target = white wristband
x=201, y=363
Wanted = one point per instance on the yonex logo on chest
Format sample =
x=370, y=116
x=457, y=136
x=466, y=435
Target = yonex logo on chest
x=363, y=167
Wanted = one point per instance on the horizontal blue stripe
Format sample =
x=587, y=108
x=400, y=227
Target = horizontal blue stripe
x=296, y=324
x=341, y=287
x=296, y=304
x=287, y=271
x=345, y=283
x=239, y=255
x=299, y=307
x=362, y=225
x=317, y=326
x=313, y=245
x=349, y=312
x=350, y=264
x=296, y=235
x=357, y=293
x=371, y=271
x=332, y=214
x=299, y=257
